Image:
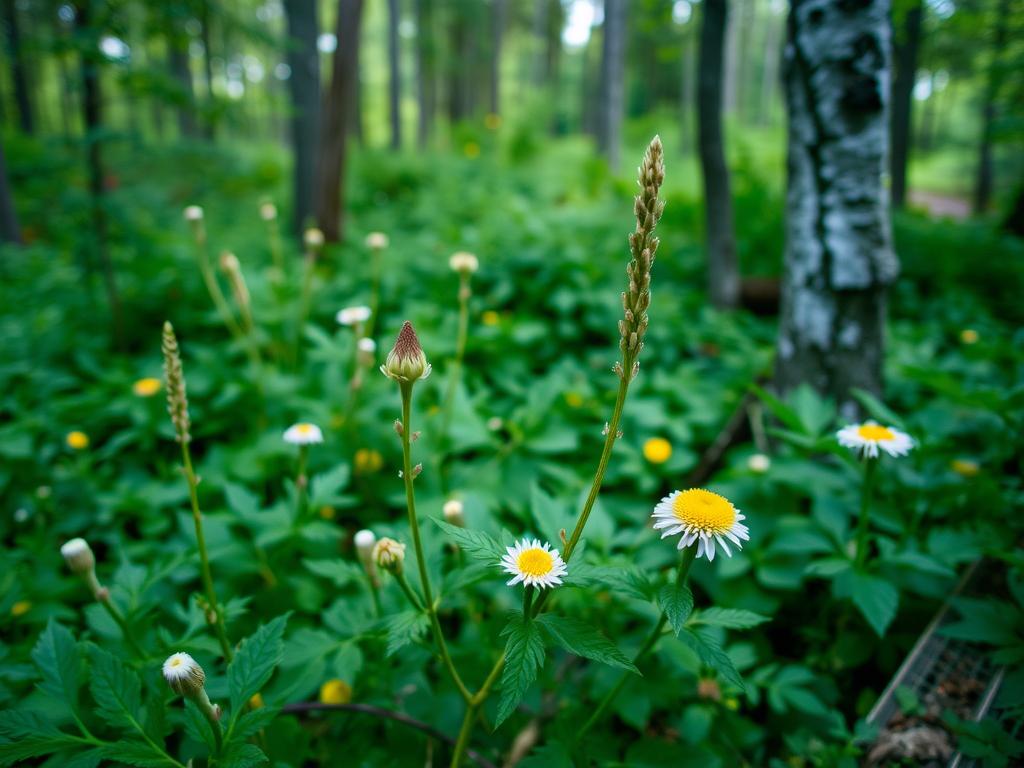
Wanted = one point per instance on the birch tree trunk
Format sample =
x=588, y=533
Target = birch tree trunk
x=723, y=277
x=304, y=88
x=838, y=254
x=613, y=69
x=339, y=103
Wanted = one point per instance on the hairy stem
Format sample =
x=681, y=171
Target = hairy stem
x=121, y=622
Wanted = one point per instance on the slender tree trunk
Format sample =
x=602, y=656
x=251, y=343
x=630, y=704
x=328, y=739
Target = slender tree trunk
x=723, y=276
x=19, y=74
x=838, y=253
x=770, y=69
x=210, y=124
x=613, y=87
x=906, y=50
x=497, y=28
x=356, y=126
x=426, y=71
x=10, y=232
x=181, y=70
x=395, y=83
x=337, y=108
x=93, y=119
x=689, y=90
x=731, y=48
x=926, y=127
x=304, y=90
x=555, y=20
x=983, y=186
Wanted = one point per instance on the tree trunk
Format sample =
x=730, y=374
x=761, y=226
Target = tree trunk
x=770, y=70
x=731, y=48
x=10, y=232
x=723, y=277
x=497, y=27
x=304, y=89
x=426, y=71
x=689, y=89
x=181, y=70
x=19, y=74
x=613, y=66
x=983, y=187
x=905, y=63
x=838, y=253
x=338, y=105
x=210, y=124
x=395, y=83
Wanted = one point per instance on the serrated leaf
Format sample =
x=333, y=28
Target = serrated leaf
x=404, y=628
x=253, y=721
x=712, y=654
x=582, y=639
x=241, y=755
x=476, y=544
x=56, y=655
x=875, y=598
x=524, y=656
x=626, y=580
x=730, y=618
x=116, y=688
x=255, y=661
x=828, y=567
x=137, y=753
x=30, y=736
x=341, y=572
x=326, y=487
x=677, y=603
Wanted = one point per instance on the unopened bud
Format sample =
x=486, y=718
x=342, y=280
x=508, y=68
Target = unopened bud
x=399, y=429
x=389, y=555
x=184, y=675
x=464, y=263
x=365, y=541
x=406, y=361
x=268, y=211
x=313, y=239
x=417, y=471
x=378, y=241
x=193, y=213
x=79, y=557
x=453, y=513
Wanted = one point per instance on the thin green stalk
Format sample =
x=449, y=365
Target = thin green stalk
x=407, y=590
x=863, y=522
x=460, y=352
x=213, y=288
x=301, y=486
x=374, y=293
x=121, y=622
x=688, y=556
x=304, y=299
x=410, y=498
x=274, y=240
x=204, y=560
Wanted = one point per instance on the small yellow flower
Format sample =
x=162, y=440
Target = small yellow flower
x=77, y=440
x=256, y=701
x=146, y=387
x=490, y=317
x=368, y=461
x=20, y=608
x=969, y=336
x=327, y=513
x=492, y=121
x=471, y=149
x=335, y=692
x=574, y=399
x=657, y=450
x=965, y=467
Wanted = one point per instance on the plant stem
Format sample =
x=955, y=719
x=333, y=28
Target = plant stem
x=688, y=556
x=863, y=522
x=204, y=560
x=213, y=288
x=115, y=614
x=301, y=484
x=410, y=498
x=461, y=338
x=407, y=590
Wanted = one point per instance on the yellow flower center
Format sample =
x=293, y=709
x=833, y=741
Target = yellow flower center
x=704, y=510
x=20, y=608
x=657, y=450
x=304, y=429
x=875, y=432
x=77, y=440
x=368, y=460
x=535, y=562
x=490, y=317
x=335, y=692
x=176, y=662
x=146, y=387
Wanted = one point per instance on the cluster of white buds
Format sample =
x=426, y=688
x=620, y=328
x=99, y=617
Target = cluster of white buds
x=464, y=262
x=453, y=513
x=82, y=562
x=377, y=241
x=185, y=677
x=406, y=362
x=365, y=541
x=389, y=555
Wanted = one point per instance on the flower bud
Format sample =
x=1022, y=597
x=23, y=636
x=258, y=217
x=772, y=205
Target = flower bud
x=389, y=555
x=365, y=541
x=184, y=675
x=313, y=239
x=78, y=556
x=193, y=213
x=378, y=241
x=367, y=346
x=406, y=361
x=453, y=513
x=759, y=463
x=268, y=211
x=350, y=316
x=464, y=263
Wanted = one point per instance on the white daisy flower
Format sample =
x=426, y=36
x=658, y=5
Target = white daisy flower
x=369, y=346
x=268, y=211
x=78, y=556
x=377, y=240
x=303, y=433
x=703, y=517
x=313, y=239
x=534, y=564
x=193, y=213
x=463, y=262
x=353, y=315
x=184, y=674
x=868, y=437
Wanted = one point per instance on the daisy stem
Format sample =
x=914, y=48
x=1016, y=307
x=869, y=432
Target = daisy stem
x=414, y=528
x=308, y=265
x=527, y=600
x=400, y=578
x=469, y=719
x=213, y=288
x=865, y=511
x=204, y=560
x=301, y=483
x=460, y=352
x=688, y=556
x=119, y=619
x=274, y=241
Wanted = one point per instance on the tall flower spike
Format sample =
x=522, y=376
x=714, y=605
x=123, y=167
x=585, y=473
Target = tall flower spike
x=642, y=246
x=177, y=402
x=406, y=361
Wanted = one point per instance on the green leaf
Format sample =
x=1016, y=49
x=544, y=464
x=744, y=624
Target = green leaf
x=876, y=409
x=255, y=661
x=241, y=755
x=116, y=688
x=56, y=655
x=875, y=598
x=341, y=572
x=404, y=628
x=524, y=656
x=137, y=753
x=828, y=567
x=780, y=410
x=730, y=618
x=920, y=562
x=326, y=487
x=476, y=544
x=582, y=639
x=549, y=514
x=712, y=654
x=28, y=735
x=253, y=722
x=677, y=603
